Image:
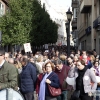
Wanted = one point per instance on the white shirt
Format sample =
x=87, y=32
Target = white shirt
x=2, y=63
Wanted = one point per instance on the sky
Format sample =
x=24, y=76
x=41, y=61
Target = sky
x=64, y=3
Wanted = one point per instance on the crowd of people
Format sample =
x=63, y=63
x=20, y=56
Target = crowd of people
x=34, y=72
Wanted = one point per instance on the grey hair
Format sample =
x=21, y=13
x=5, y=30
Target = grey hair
x=57, y=62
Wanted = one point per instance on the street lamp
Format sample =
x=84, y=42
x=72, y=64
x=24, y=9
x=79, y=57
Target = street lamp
x=69, y=16
x=67, y=25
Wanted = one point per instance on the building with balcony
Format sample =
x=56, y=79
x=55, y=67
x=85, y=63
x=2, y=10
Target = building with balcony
x=85, y=6
x=74, y=22
x=88, y=24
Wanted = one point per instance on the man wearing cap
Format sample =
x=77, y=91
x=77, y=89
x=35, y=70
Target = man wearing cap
x=8, y=73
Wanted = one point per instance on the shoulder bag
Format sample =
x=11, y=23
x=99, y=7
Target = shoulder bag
x=54, y=91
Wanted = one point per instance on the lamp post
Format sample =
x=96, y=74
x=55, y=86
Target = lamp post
x=67, y=25
x=69, y=16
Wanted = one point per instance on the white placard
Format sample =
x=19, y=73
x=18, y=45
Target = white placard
x=70, y=81
x=27, y=47
x=98, y=79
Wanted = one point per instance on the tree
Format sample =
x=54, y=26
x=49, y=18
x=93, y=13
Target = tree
x=44, y=30
x=27, y=21
x=16, y=24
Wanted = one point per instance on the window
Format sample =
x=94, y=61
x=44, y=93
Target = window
x=1, y=9
x=75, y=12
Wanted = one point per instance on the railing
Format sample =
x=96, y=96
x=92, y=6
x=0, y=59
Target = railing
x=96, y=22
x=85, y=6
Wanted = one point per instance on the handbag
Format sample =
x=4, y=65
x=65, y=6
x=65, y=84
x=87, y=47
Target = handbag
x=54, y=91
x=75, y=95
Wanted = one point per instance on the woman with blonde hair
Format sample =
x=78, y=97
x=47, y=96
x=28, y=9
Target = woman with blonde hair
x=92, y=58
x=39, y=61
x=63, y=59
x=18, y=65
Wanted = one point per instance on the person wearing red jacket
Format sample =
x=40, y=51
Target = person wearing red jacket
x=40, y=76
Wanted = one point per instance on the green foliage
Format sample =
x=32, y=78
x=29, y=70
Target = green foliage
x=16, y=24
x=25, y=22
x=44, y=30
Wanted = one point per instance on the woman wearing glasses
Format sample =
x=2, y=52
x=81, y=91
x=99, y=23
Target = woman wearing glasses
x=85, y=82
x=50, y=78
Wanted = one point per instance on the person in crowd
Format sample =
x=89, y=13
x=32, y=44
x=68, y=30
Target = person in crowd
x=50, y=78
x=39, y=78
x=95, y=54
x=75, y=59
x=18, y=57
x=57, y=53
x=18, y=65
x=72, y=56
x=84, y=53
x=27, y=79
x=39, y=63
x=96, y=70
x=45, y=57
x=38, y=69
x=7, y=56
x=11, y=60
x=62, y=72
x=87, y=62
x=8, y=73
x=63, y=59
x=72, y=65
x=85, y=81
x=92, y=59
x=31, y=59
x=70, y=61
x=79, y=52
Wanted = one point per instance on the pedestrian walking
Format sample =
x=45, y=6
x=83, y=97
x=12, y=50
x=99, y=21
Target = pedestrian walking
x=8, y=73
x=50, y=78
x=27, y=79
x=62, y=72
x=85, y=82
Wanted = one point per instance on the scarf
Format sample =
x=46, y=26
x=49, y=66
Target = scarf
x=97, y=70
x=42, y=87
